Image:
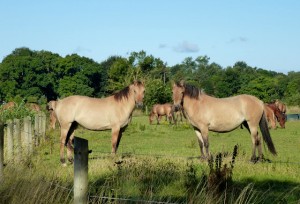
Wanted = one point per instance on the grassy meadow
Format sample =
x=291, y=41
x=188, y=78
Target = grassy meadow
x=160, y=163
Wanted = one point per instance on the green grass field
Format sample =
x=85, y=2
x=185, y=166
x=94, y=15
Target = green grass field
x=160, y=163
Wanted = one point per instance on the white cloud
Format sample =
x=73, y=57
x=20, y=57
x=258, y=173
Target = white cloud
x=186, y=47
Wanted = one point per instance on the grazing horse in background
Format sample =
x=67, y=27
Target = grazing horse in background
x=52, y=119
x=159, y=110
x=270, y=116
x=8, y=105
x=113, y=112
x=207, y=113
x=280, y=116
x=31, y=106
x=281, y=106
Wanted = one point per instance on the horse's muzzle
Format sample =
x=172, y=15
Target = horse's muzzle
x=139, y=104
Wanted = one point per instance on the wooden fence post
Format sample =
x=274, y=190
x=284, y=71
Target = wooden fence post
x=36, y=129
x=81, y=152
x=17, y=139
x=44, y=124
x=1, y=151
x=10, y=140
x=27, y=135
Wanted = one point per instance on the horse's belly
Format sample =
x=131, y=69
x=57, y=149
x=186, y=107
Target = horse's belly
x=225, y=126
x=95, y=124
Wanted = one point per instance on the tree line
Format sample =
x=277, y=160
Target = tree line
x=41, y=76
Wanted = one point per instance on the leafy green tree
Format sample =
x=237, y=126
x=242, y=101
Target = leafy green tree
x=262, y=87
x=157, y=92
x=292, y=94
x=74, y=85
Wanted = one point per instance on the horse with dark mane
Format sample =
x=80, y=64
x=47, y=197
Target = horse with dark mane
x=159, y=110
x=207, y=113
x=113, y=112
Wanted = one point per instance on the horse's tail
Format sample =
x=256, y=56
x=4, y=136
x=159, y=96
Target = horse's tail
x=70, y=133
x=266, y=134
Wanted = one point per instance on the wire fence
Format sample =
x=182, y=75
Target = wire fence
x=40, y=130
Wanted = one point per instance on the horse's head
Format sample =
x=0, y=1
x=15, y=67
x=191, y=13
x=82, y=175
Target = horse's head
x=51, y=105
x=177, y=93
x=281, y=106
x=281, y=117
x=139, y=92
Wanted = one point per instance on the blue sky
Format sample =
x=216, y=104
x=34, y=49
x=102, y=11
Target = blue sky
x=264, y=34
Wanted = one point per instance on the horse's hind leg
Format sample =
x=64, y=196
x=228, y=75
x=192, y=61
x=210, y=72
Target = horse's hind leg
x=63, y=135
x=69, y=144
x=256, y=143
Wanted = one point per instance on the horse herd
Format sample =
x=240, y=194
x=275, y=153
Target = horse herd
x=204, y=112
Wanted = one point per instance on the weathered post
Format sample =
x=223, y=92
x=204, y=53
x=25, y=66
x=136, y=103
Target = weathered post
x=36, y=129
x=27, y=135
x=40, y=131
x=1, y=151
x=10, y=140
x=17, y=139
x=30, y=135
x=44, y=124
x=80, y=170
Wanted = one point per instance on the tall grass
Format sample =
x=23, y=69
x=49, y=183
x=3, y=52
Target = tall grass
x=160, y=163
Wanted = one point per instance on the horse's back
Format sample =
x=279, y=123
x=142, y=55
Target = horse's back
x=240, y=103
x=91, y=113
x=226, y=114
x=162, y=109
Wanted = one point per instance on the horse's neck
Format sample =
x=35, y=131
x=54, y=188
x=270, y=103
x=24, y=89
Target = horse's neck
x=127, y=105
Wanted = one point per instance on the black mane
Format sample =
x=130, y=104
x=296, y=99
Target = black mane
x=190, y=90
x=122, y=94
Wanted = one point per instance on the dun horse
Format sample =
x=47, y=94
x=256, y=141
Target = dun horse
x=159, y=110
x=113, y=112
x=207, y=113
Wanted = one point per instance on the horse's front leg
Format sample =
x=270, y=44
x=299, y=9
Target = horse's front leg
x=115, y=134
x=203, y=144
x=158, y=117
x=63, y=136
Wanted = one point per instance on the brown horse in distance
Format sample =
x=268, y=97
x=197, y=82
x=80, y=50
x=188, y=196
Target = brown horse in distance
x=281, y=106
x=270, y=116
x=113, y=112
x=207, y=113
x=280, y=116
x=31, y=106
x=159, y=110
